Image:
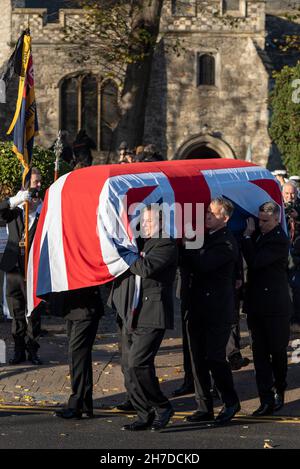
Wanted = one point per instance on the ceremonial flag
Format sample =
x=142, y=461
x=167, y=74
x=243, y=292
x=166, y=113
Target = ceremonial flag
x=83, y=239
x=24, y=123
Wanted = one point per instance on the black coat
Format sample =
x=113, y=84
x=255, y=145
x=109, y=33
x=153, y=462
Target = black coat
x=14, y=218
x=214, y=277
x=267, y=291
x=157, y=269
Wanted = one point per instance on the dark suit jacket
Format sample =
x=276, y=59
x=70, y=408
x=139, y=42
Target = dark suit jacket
x=157, y=269
x=14, y=218
x=214, y=277
x=267, y=290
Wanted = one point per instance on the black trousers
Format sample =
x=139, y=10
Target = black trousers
x=185, y=294
x=25, y=331
x=296, y=303
x=81, y=334
x=139, y=349
x=207, y=343
x=233, y=347
x=270, y=338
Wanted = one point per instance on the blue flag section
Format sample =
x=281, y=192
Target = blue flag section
x=25, y=123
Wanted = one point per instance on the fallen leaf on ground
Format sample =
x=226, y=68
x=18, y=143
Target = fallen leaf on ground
x=268, y=444
x=28, y=398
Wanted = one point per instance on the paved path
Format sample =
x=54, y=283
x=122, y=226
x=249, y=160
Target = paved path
x=49, y=384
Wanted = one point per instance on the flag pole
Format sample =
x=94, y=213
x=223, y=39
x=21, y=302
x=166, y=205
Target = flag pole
x=26, y=239
x=58, y=148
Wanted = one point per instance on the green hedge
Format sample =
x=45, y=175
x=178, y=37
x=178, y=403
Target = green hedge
x=285, y=120
x=11, y=168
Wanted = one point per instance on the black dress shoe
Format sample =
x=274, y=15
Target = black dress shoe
x=186, y=388
x=34, y=359
x=69, y=414
x=238, y=362
x=199, y=416
x=162, y=420
x=18, y=357
x=279, y=400
x=264, y=409
x=227, y=413
x=136, y=426
x=125, y=406
x=88, y=413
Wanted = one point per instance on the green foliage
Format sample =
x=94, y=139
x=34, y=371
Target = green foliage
x=11, y=168
x=285, y=121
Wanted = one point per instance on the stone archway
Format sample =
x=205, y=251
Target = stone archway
x=204, y=146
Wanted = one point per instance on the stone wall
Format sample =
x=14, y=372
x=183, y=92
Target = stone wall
x=52, y=62
x=207, y=17
x=235, y=111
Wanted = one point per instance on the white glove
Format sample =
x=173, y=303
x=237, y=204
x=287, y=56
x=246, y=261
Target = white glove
x=19, y=199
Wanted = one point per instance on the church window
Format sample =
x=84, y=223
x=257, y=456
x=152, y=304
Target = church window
x=206, y=70
x=88, y=103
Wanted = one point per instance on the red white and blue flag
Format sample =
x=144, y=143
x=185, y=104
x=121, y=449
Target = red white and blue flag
x=24, y=123
x=84, y=236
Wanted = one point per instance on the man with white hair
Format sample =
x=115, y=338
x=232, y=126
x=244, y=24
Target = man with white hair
x=296, y=180
x=292, y=208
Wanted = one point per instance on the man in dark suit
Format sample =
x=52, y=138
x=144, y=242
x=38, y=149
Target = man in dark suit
x=183, y=292
x=268, y=304
x=210, y=318
x=82, y=310
x=25, y=332
x=144, y=326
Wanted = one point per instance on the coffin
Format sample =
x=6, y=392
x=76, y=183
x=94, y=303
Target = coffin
x=85, y=237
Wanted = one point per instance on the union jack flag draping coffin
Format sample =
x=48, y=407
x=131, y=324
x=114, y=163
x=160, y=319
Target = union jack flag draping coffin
x=75, y=245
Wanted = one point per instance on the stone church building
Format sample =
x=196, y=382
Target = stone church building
x=210, y=101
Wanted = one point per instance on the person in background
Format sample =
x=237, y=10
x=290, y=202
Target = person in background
x=82, y=147
x=267, y=304
x=281, y=176
x=143, y=326
x=25, y=332
x=212, y=314
x=82, y=310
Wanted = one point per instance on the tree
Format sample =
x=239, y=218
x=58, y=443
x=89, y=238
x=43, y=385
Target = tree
x=121, y=36
x=11, y=169
x=285, y=120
